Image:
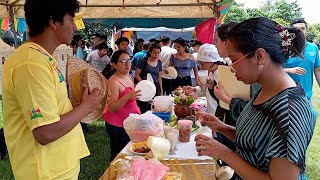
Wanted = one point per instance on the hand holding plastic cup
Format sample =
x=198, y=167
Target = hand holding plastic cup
x=203, y=77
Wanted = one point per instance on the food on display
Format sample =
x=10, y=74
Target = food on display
x=140, y=148
x=159, y=146
x=185, y=127
x=173, y=122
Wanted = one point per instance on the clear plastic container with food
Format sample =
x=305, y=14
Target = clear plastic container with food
x=185, y=127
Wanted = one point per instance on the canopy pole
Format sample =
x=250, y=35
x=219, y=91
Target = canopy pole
x=216, y=18
x=114, y=31
x=11, y=12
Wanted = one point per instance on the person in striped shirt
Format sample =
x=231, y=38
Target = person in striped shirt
x=275, y=128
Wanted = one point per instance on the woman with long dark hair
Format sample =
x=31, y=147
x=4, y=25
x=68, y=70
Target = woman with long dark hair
x=275, y=128
x=151, y=64
x=122, y=101
x=184, y=63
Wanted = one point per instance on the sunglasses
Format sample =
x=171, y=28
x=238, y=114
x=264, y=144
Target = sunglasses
x=239, y=60
x=125, y=61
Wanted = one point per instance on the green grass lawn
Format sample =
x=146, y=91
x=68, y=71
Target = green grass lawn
x=93, y=166
x=313, y=155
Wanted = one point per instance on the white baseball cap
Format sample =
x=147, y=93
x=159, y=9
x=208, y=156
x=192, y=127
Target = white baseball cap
x=209, y=53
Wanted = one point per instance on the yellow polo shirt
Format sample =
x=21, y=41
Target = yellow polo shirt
x=34, y=95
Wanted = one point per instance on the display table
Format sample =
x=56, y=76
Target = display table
x=185, y=161
x=185, y=150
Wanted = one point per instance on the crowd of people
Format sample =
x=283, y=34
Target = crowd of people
x=263, y=138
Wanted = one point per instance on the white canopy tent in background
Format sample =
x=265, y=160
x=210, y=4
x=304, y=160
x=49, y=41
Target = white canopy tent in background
x=149, y=33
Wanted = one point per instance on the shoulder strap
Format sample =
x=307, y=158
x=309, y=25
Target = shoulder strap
x=119, y=82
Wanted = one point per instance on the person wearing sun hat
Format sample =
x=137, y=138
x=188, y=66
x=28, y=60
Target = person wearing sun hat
x=42, y=129
x=209, y=59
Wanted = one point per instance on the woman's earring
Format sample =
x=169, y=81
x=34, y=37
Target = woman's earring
x=260, y=66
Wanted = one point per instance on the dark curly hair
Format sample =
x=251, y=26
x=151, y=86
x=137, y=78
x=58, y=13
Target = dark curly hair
x=39, y=12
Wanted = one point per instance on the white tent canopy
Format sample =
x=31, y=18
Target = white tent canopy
x=190, y=29
x=130, y=8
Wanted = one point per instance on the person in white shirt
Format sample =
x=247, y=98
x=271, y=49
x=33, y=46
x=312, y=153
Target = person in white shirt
x=208, y=59
x=164, y=57
x=98, y=59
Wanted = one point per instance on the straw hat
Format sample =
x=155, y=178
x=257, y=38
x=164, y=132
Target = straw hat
x=79, y=73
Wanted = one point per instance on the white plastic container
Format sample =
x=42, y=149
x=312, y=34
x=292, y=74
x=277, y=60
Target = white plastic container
x=163, y=104
x=203, y=76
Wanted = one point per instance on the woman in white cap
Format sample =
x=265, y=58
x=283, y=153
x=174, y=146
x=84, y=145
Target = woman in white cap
x=208, y=59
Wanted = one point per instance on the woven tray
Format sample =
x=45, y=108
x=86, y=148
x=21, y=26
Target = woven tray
x=190, y=169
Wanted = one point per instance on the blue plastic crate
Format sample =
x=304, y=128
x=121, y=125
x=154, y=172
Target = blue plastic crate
x=163, y=115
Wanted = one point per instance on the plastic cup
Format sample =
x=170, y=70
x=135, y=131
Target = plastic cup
x=184, y=127
x=203, y=77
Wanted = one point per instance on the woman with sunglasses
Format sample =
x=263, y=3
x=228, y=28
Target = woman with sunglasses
x=122, y=102
x=275, y=128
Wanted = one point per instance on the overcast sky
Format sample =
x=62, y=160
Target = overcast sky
x=310, y=10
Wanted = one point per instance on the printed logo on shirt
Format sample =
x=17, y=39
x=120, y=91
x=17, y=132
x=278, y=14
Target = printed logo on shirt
x=311, y=53
x=57, y=68
x=35, y=113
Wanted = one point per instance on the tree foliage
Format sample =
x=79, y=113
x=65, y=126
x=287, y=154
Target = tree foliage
x=314, y=33
x=281, y=11
x=92, y=29
x=237, y=13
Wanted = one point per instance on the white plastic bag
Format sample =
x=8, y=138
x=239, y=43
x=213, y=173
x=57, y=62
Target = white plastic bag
x=140, y=127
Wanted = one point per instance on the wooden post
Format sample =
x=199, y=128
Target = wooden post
x=11, y=13
x=216, y=18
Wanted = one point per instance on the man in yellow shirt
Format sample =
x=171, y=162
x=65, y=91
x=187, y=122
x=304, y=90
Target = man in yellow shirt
x=42, y=130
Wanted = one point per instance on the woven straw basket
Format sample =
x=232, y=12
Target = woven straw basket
x=80, y=73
